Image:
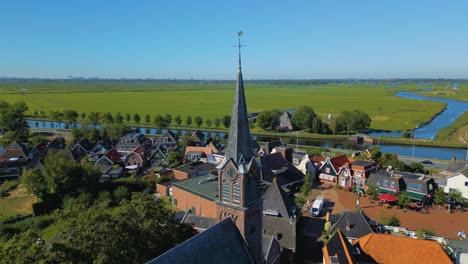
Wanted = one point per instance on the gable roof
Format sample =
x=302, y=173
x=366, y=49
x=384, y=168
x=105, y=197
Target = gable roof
x=338, y=250
x=207, y=150
x=169, y=134
x=277, y=202
x=275, y=165
x=86, y=144
x=221, y=243
x=359, y=225
x=337, y=162
x=269, y=146
x=197, y=136
x=104, y=164
x=395, y=249
x=463, y=172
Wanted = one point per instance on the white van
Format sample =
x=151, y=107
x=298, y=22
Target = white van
x=317, y=205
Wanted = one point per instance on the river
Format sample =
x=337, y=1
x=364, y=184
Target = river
x=453, y=110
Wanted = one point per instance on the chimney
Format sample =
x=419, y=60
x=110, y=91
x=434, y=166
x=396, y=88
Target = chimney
x=286, y=152
x=348, y=226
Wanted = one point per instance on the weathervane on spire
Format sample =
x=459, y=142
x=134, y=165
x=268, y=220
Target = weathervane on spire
x=239, y=34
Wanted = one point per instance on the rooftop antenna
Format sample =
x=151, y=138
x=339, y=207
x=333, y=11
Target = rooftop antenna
x=239, y=34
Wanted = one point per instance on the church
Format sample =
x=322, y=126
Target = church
x=233, y=199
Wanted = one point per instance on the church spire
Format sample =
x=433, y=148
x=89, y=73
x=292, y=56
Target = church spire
x=239, y=146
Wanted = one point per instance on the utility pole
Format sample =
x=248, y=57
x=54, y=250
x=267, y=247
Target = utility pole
x=413, y=142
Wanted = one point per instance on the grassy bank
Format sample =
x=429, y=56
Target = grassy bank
x=456, y=132
x=211, y=100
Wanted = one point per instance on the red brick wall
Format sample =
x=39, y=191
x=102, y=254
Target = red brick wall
x=163, y=190
x=186, y=200
x=180, y=175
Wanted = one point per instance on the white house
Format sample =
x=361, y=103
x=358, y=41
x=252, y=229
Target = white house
x=458, y=181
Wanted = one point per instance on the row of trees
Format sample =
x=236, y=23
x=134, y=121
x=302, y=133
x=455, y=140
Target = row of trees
x=13, y=122
x=305, y=118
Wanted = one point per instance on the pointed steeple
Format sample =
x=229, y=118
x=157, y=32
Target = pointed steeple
x=239, y=146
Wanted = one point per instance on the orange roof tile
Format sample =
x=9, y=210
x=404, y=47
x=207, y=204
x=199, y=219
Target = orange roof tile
x=206, y=150
x=395, y=249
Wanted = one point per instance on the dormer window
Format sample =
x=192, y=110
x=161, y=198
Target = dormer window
x=295, y=161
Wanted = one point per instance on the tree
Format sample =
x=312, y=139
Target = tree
x=34, y=182
x=116, y=131
x=70, y=116
x=94, y=118
x=57, y=116
x=317, y=125
x=439, y=196
x=188, y=120
x=36, y=140
x=217, y=122
x=125, y=235
x=307, y=184
x=303, y=117
x=107, y=118
x=160, y=121
x=118, y=118
x=121, y=193
x=355, y=120
x=456, y=196
x=178, y=120
x=208, y=123
x=83, y=115
x=198, y=121
x=147, y=118
x=375, y=153
x=12, y=120
x=26, y=247
x=174, y=159
x=416, y=167
x=128, y=117
x=168, y=119
x=268, y=119
x=403, y=199
x=393, y=220
x=372, y=191
x=136, y=118
x=226, y=121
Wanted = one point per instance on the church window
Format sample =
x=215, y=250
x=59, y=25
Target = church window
x=236, y=193
x=225, y=195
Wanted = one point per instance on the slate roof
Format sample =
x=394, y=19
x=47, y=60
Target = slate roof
x=196, y=167
x=359, y=224
x=199, y=222
x=198, y=136
x=276, y=200
x=269, y=146
x=222, y=243
x=203, y=186
x=239, y=140
x=275, y=165
x=338, y=250
x=206, y=150
x=104, y=164
x=285, y=227
x=384, y=248
x=86, y=144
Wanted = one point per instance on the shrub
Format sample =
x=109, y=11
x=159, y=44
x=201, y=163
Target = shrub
x=326, y=227
x=393, y=220
x=300, y=201
x=338, y=187
x=424, y=231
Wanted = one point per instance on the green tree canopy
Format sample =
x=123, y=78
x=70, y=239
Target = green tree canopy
x=268, y=119
x=175, y=159
x=188, y=120
x=118, y=118
x=198, y=121
x=12, y=119
x=178, y=120
x=353, y=121
x=303, y=117
x=70, y=116
x=226, y=120
x=136, y=118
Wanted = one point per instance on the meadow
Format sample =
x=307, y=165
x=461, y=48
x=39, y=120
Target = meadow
x=214, y=99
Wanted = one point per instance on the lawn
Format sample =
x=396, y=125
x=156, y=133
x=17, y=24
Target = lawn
x=18, y=203
x=214, y=99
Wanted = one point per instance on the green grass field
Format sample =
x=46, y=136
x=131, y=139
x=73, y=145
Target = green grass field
x=18, y=203
x=214, y=99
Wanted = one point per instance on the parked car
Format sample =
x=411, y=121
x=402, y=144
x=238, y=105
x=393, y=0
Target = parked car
x=427, y=162
x=317, y=205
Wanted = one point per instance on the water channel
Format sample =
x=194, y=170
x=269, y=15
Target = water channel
x=448, y=116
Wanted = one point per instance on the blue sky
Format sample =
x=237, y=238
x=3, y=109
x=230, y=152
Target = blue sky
x=194, y=39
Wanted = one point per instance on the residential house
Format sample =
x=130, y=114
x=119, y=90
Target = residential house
x=280, y=217
x=157, y=156
x=352, y=225
x=134, y=160
x=393, y=182
x=459, y=249
x=269, y=146
x=169, y=141
x=131, y=141
x=99, y=150
x=458, y=181
x=275, y=165
x=193, y=154
x=221, y=243
x=107, y=169
x=215, y=145
x=361, y=170
x=199, y=138
x=284, y=122
x=332, y=168
x=337, y=250
x=303, y=163
x=13, y=161
x=81, y=149
x=385, y=248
